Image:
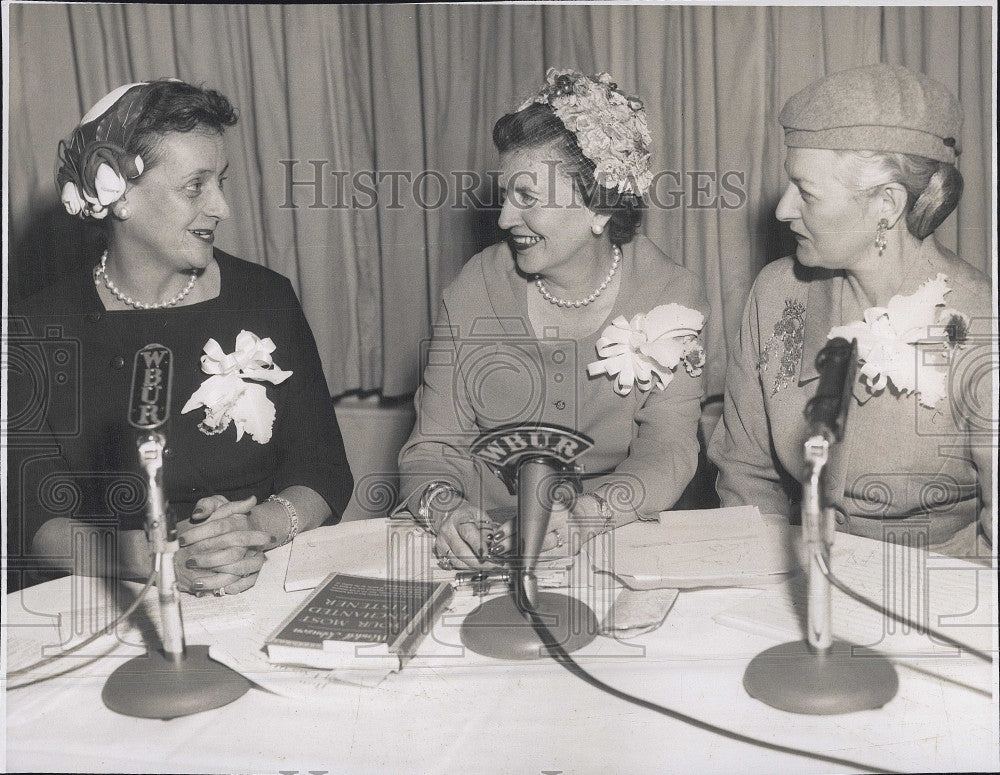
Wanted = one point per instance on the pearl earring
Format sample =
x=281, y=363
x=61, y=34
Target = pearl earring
x=597, y=229
x=121, y=209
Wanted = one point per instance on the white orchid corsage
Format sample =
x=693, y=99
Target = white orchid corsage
x=645, y=351
x=907, y=344
x=228, y=397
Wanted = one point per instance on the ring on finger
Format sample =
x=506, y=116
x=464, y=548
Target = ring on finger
x=484, y=523
x=220, y=592
x=559, y=538
x=444, y=560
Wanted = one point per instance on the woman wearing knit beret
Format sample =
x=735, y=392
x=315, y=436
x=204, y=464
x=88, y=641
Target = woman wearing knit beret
x=871, y=162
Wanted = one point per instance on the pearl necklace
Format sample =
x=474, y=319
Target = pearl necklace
x=101, y=270
x=581, y=302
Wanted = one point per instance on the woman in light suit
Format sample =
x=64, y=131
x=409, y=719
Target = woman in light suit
x=575, y=320
x=872, y=173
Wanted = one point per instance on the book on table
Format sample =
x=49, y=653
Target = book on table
x=357, y=623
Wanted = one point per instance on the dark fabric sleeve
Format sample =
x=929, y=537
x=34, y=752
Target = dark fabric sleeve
x=310, y=446
x=40, y=398
x=35, y=464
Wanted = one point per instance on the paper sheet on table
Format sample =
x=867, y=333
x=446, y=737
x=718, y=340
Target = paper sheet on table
x=730, y=547
x=243, y=651
x=367, y=547
x=958, y=598
x=131, y=637
x=363, y=548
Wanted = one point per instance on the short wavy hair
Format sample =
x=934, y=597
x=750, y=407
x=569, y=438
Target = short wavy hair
x=174, y=106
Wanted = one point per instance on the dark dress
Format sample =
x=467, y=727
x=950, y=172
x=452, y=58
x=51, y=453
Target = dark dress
x=73, y=453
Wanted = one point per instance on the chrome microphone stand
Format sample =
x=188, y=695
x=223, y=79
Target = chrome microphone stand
x=822, y=675
x=817, y=531
x=162, y=535
x=174, y=680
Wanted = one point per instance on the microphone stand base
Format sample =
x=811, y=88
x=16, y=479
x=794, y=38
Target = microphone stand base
x=499, y=629
x=153, y=686
x=843, y=679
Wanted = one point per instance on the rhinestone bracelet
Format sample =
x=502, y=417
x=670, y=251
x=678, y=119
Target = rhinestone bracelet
x=293, y=517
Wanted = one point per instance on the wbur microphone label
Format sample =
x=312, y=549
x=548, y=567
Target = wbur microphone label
x=149, y=401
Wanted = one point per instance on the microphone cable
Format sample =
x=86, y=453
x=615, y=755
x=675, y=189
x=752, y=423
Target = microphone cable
x=824, y=568
x=86, y=642
x=560, y=655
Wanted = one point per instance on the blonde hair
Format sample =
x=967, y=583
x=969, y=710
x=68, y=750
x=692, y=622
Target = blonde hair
x=933, y=188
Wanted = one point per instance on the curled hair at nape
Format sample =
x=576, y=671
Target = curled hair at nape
x=933, y=188
x=936, y=201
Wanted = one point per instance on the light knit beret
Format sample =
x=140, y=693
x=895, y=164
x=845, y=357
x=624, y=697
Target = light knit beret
x=876, y=108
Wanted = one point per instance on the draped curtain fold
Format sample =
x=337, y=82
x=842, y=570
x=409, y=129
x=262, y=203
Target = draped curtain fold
x=360, y=167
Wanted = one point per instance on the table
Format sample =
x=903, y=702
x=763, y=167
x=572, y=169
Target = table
x=481, y=715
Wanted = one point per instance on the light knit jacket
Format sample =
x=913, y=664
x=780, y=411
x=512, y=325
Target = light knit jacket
x=904, y=472
x=485, y=368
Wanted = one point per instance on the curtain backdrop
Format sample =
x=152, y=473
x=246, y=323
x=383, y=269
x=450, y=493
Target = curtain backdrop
x=359, y=166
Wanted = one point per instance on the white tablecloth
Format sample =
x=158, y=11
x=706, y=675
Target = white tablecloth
x=480, y=715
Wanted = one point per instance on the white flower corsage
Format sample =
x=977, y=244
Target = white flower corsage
x=646, y=350
x=228, y=397
x=907, y=344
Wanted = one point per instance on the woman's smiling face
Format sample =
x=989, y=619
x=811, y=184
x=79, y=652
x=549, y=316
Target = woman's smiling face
x=544, y=212
x=177, y=203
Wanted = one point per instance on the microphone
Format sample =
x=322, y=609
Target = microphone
x=822, y=675
x=149, y=409
x=533, y=461
x=149, y=398
x=175, y=680
x=827, y=410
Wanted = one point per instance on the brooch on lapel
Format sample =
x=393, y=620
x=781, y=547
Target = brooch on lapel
x=786, y=339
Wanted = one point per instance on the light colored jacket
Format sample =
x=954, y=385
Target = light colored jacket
x=903, y=472
x=485, y=368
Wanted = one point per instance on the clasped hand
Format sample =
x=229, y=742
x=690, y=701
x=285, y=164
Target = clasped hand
x=469, y=539
x=221, y=549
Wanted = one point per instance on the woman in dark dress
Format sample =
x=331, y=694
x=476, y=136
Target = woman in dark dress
x=253, y=452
